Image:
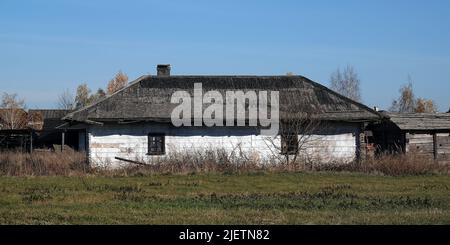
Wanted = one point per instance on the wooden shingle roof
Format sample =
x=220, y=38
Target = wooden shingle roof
x=421, y=121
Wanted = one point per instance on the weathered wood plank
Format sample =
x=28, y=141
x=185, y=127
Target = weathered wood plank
x=421, y=147
x=421, y=142
x=435, y=153
x=420, y=137
x=129, y=161
x=443, y=140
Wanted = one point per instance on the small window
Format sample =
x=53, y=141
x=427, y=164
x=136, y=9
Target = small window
x=156, y=144
x=289, y=144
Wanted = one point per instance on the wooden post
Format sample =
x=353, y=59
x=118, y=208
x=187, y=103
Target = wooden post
x=435, y=146
x=359, y=143
x=31, y=141
x=62, y=141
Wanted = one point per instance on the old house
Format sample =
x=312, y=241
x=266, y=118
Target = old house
x=134, y=124
x=423, y=133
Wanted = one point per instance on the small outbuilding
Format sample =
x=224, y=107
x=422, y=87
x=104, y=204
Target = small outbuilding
x=423, y=133
x=49, y=136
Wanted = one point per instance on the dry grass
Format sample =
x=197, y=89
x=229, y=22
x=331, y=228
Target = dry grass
x=43, y=164
x=207, y=161
x=410, y=164
x=392, y=165
x=70, y=163
x=220, y=162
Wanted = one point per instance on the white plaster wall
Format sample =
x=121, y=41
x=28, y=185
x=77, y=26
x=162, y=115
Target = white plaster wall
x=336, y=144
x=335, y=148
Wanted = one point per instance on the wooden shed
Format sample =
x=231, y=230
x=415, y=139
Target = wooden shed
x=422, y=133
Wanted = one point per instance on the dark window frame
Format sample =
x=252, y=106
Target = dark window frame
x=153, y=149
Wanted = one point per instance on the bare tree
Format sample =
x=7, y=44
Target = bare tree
x=425, y=106
x=12, y=114
x=35, y=120
x=117, y=83
x=346, y=83
x=97, y=96
x=82, y=98
x=101, y=93
x=296, y=142
x=407, y=102
x=66, y=100
x=299, y=124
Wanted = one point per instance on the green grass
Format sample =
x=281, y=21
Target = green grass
x=260, y=198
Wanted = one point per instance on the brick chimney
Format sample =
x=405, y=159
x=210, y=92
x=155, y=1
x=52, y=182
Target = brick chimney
x=163, y=70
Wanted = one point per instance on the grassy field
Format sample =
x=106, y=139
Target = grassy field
x=259, y=198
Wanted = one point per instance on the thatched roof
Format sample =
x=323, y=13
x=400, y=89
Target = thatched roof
x=148, y=98
x=421, y=121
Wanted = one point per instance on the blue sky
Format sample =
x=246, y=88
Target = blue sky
x=48, y=46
